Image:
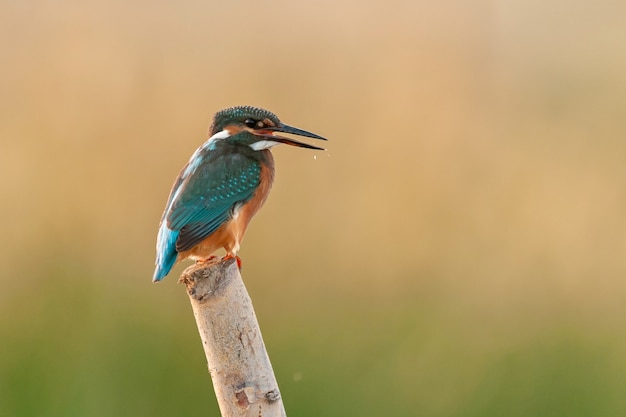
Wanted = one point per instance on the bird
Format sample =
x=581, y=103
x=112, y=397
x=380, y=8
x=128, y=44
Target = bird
x=220, y=189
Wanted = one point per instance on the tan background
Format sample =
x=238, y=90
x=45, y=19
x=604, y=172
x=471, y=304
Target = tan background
x=458, y=251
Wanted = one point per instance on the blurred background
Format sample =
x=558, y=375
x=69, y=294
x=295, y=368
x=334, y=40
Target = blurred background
x=459, y=250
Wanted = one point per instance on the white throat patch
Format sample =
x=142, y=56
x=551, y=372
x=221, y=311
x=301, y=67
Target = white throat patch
x=263, y=144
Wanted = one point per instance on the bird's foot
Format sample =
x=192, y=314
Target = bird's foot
x=231, y=256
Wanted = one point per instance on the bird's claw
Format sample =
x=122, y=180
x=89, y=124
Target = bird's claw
x=231, y=256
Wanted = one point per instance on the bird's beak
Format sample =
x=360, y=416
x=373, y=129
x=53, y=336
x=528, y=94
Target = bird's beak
x=282, y=128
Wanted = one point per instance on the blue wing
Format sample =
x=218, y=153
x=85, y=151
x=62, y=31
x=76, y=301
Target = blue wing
x=203, y=198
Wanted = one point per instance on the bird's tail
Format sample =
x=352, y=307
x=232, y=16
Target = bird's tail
x=162, y=270
x=166, y=252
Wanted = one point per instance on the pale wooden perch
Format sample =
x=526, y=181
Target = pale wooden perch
x=242, y=374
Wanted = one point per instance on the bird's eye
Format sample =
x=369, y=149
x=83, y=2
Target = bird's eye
x=250, y=123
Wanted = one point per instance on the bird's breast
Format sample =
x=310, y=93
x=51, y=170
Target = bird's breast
x=266, y=179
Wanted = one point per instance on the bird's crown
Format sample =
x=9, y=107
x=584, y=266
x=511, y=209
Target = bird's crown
x=246, y=115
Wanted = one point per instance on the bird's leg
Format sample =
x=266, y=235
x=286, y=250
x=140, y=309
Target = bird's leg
x=209, y=261
x=231, y=256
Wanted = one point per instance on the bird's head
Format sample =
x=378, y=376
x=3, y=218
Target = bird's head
x=255, y=127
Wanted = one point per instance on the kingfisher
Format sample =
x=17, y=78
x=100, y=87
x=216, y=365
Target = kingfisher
x=224, y=184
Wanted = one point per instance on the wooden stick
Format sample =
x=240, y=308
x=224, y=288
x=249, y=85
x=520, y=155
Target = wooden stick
x=242, y=374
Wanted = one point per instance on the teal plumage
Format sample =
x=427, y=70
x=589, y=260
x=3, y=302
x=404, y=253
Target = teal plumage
x=211, y=195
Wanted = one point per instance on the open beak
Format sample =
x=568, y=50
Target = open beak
x=294, y=131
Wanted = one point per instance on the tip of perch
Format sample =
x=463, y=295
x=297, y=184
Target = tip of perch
x=205, y=280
